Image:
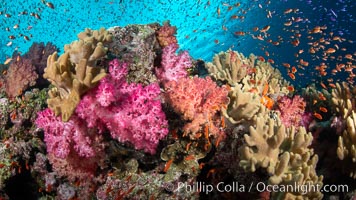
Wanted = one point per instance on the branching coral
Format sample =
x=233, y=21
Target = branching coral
x=20, y=75
x=130, y=112
x=286, y=156
x=198, y=100
x=173, y=66
x=291, y=110
x=76, y=71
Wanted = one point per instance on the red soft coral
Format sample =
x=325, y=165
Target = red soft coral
x=198, y=100
x=291, y=110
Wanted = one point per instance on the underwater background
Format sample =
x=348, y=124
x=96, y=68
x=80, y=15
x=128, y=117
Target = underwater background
x=164, y=99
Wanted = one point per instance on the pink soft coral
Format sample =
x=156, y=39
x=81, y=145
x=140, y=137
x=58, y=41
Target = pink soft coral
x=68, y=143
x=130, y=112
x=198, y=100
x=61, y=137
x=173, y=66
x=291, y=110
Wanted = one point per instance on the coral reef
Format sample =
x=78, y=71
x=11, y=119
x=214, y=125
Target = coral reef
x=129, y=117
x=76, y=71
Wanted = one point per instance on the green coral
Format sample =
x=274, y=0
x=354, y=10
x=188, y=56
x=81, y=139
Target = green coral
x=76, y=71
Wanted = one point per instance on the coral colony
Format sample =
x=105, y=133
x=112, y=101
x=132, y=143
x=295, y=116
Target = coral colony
x=116, y=117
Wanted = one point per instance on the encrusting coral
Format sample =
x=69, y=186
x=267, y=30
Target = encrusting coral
x=76, y=71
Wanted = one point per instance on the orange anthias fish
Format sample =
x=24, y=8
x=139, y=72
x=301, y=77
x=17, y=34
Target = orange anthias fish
x=317, y=115
x=265, y=100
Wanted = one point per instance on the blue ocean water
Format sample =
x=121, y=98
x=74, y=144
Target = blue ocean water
x=205, y=27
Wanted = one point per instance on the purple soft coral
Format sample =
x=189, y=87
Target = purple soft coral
x=174, y=66
x=130, y=112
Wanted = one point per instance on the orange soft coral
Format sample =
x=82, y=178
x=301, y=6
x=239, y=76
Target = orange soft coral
x=198, y=100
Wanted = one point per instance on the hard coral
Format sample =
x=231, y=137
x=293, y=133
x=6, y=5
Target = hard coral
x=130, y=112
x=198, y=100
x=291, y=110
x=20, y=75
x=174, y=66
x=165, y=34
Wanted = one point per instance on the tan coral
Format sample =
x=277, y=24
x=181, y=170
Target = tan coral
x=346, y=150
x=296, y=167
x=243, y=105
x=344, y=99
x=262, y=145
x=230, y=66
x=76, y=71
x=286, y=156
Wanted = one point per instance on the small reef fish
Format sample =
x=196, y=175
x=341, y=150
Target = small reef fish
x=50, y=5
x=317, y=115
